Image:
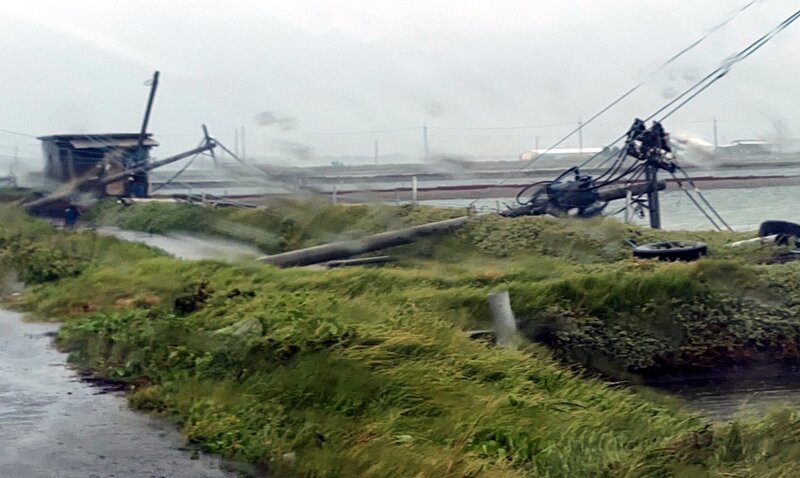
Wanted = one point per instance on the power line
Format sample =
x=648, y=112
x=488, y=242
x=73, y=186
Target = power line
x=17, y=133
x=668, y=110
x=343, y=133
x=641, y=83
x=485, y=128
x=703, y=84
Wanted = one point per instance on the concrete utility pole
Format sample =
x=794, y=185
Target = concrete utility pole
x=505, y=325
x=147, y=111
x=651, y=178
x=716, y=137
x=425, y=142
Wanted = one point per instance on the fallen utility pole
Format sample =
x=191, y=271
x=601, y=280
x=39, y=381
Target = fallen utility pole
x=385, y=240
x=376, y=242
x=94, y=182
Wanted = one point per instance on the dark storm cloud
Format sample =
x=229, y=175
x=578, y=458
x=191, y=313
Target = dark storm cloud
x=267, y=119
x=294, y=149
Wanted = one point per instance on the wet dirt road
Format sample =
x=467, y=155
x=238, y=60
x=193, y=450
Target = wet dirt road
x=54, y=426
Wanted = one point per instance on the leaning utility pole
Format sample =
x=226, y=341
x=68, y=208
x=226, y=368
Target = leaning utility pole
x=147, y=111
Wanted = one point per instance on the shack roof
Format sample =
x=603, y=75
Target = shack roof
x=105, y=140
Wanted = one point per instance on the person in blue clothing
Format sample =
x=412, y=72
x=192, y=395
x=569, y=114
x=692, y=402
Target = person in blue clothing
x=70, y=216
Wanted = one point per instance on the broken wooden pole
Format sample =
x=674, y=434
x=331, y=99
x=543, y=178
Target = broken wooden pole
x=375, y=242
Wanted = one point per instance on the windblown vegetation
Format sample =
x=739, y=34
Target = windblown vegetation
x=369, y=372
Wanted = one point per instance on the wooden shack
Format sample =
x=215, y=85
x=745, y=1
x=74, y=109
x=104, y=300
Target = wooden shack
x=68, y=157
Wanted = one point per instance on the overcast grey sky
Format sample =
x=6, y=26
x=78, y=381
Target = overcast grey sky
x=307, y=77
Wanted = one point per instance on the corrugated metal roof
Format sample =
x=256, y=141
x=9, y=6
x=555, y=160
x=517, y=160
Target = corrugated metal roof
x=100, y=142
x=104, y=140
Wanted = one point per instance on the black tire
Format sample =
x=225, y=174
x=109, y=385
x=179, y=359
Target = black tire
x=671, y=251
x=770, y=228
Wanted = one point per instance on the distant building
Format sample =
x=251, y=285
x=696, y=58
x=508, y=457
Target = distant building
x=748, y=148
x=72, y=156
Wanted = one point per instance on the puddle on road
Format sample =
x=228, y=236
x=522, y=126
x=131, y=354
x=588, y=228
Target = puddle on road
x=53, y=425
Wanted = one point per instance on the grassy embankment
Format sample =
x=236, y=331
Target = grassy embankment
x=367, y=372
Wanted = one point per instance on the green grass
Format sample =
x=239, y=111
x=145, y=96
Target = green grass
x=368, y=372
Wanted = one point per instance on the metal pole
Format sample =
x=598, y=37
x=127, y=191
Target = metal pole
x=236, y=142
x=537, y=146
x=580, y=136
x=333, y=195
x=414, y=190
x=651, y=177
x=376, y=151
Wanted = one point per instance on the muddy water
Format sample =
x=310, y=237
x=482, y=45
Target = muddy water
x=190, y=247
x=53, y=425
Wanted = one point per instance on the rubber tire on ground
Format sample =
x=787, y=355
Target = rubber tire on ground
x=769, y=228
x=671, y=251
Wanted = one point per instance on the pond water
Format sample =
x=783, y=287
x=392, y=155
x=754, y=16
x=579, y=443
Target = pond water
x=186, y=246
x=722, y=400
